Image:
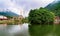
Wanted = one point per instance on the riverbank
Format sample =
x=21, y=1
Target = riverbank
x=10, y=22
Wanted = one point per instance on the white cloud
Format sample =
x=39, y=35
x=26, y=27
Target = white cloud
x=8, y=4
x=18, y=6
x=32, y=4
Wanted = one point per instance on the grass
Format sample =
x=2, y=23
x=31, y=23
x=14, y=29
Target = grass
x=11, y=22
x=5, y=21
x=44, y=30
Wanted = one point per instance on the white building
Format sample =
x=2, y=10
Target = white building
x=3, y=17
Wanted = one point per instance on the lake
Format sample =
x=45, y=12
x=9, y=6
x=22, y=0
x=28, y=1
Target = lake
x=14, y=30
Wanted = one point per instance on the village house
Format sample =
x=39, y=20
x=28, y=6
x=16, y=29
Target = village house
x=57, y=20
x=18, y=19
x=3, y=17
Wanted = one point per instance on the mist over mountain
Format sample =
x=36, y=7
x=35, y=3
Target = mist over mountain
x=8, y=13
x=55, y=7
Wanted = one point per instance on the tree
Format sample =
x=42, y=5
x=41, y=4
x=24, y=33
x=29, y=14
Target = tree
x=25, y=20
x=55, y=7
x=9, y=17
x=41, y=16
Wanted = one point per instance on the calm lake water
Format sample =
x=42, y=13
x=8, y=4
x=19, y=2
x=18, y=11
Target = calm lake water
x=14, y=30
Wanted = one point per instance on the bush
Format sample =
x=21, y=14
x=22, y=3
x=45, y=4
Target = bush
x=41, y=16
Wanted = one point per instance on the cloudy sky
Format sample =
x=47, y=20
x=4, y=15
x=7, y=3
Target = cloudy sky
x=23, y=6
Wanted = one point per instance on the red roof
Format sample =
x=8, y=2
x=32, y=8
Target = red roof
x=3, y=19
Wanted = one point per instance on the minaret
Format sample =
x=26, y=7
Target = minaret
x=21, y=12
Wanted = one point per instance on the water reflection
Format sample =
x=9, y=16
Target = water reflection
x=14, y=30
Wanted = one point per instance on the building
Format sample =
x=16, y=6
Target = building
x=57, y=20
x=3, y=17
x=18, y=17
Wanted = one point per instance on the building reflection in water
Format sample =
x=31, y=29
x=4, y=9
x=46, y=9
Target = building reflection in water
x=14, y=30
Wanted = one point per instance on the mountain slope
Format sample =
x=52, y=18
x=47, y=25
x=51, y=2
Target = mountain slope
x=55, y=7
x=8, y=13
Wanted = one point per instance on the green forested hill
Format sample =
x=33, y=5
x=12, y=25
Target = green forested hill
x=8, y=13
x=55, y=7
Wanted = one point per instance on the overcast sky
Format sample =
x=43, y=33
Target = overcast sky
x=24, y=6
